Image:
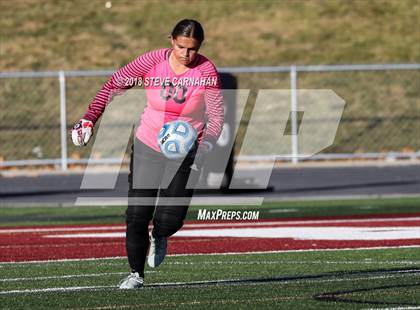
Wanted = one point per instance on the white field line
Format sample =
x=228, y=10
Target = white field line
x=285, y=281
x=58, y=289
x=398, y=308
x=289, y=262
x=259, y=262
x=282, y=210
x=71, y=276
x=210, y=225
x=183, y=263
x=304, y=250
x=180, y=305
x=355, y=279
x=205, y=282
x=6, y=264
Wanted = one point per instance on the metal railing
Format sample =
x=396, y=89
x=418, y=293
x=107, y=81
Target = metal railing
x=292, y=70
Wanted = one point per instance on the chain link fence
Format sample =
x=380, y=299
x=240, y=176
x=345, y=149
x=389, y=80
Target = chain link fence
x=381, y=116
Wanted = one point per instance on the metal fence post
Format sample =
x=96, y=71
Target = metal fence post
x=293, y=113
x=63, y=119
x=63, y=160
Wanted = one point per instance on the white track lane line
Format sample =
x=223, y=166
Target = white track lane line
x=207, y=225
x=7, y=264
x=332, y=233
x=288, y=222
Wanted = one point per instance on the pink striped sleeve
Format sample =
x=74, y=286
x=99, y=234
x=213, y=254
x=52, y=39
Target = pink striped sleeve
x=214, y=105
x=123, y=79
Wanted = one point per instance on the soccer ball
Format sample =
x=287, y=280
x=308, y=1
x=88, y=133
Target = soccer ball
x=176, y=139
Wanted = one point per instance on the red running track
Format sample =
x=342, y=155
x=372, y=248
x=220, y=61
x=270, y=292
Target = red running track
x=100, y=241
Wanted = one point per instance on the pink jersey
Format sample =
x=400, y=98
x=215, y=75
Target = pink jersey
x=193, y=96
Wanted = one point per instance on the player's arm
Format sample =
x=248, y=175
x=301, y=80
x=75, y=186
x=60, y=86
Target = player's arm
x=121, y=80
x=214, y=112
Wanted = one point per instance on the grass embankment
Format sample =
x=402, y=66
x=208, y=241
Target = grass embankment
x=382, y=107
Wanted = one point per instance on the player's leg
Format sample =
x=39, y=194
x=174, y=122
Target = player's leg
x=172, y=207
x=146, y=169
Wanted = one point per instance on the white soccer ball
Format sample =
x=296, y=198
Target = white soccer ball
x=176, y=139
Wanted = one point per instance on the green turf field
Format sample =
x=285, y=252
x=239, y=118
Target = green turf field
x=307, y=280
x=39, y=215
x=332, y=279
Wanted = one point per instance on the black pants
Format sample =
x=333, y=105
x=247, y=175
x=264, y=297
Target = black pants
x=161, y=189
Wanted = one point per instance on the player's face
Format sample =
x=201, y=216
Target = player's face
x=185, y=49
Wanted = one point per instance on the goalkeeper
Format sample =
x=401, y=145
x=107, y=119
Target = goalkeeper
x=200, y=104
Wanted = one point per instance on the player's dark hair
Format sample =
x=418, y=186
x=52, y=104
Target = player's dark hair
x=189, y=28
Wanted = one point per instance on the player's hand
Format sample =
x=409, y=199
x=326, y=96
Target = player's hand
x=81, y=132
x=203, y=149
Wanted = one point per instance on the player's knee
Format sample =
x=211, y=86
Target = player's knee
x=137, y=229
x=137, y=219
x=167, y=224
x=139, y=213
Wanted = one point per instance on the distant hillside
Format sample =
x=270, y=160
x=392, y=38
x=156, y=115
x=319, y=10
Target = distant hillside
x=52, y=35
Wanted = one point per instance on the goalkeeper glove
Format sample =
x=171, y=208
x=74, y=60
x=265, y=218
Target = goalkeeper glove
x=203, y=149
x=81, y=132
